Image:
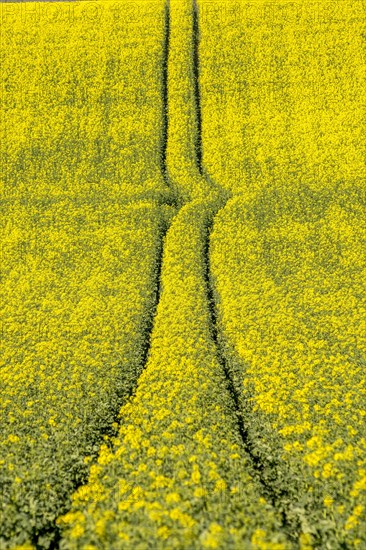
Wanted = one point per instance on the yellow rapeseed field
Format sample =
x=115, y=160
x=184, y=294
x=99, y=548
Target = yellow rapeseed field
x=82, y=134
x=283, y=127
x=183, y=301
x=78, y=287
x=283, y=92
x=292, y=307
x=183, y=115
x=177, y=475
x=82, y=109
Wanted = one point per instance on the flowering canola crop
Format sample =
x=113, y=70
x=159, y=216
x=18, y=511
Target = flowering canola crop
x=186, y=377
x=177, y=475
x=79, y=265
x=292, y=307
x=183, y=108
x=78, y=287
x=283, y=92
x=283, y=99
x=81, y=102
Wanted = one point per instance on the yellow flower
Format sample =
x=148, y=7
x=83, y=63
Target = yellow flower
x=172, y=498
x=196, y=476
x=328, y=501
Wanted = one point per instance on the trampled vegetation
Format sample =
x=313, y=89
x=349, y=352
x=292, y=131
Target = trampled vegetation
x=183, y=275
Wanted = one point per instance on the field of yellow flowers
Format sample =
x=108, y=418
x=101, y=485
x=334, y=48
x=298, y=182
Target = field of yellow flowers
x=291, y=293
x=183, y=297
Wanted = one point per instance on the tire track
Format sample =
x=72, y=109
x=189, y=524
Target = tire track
x=197, y=90
x=258, y=468
x=217, y=193
x=168, y=202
